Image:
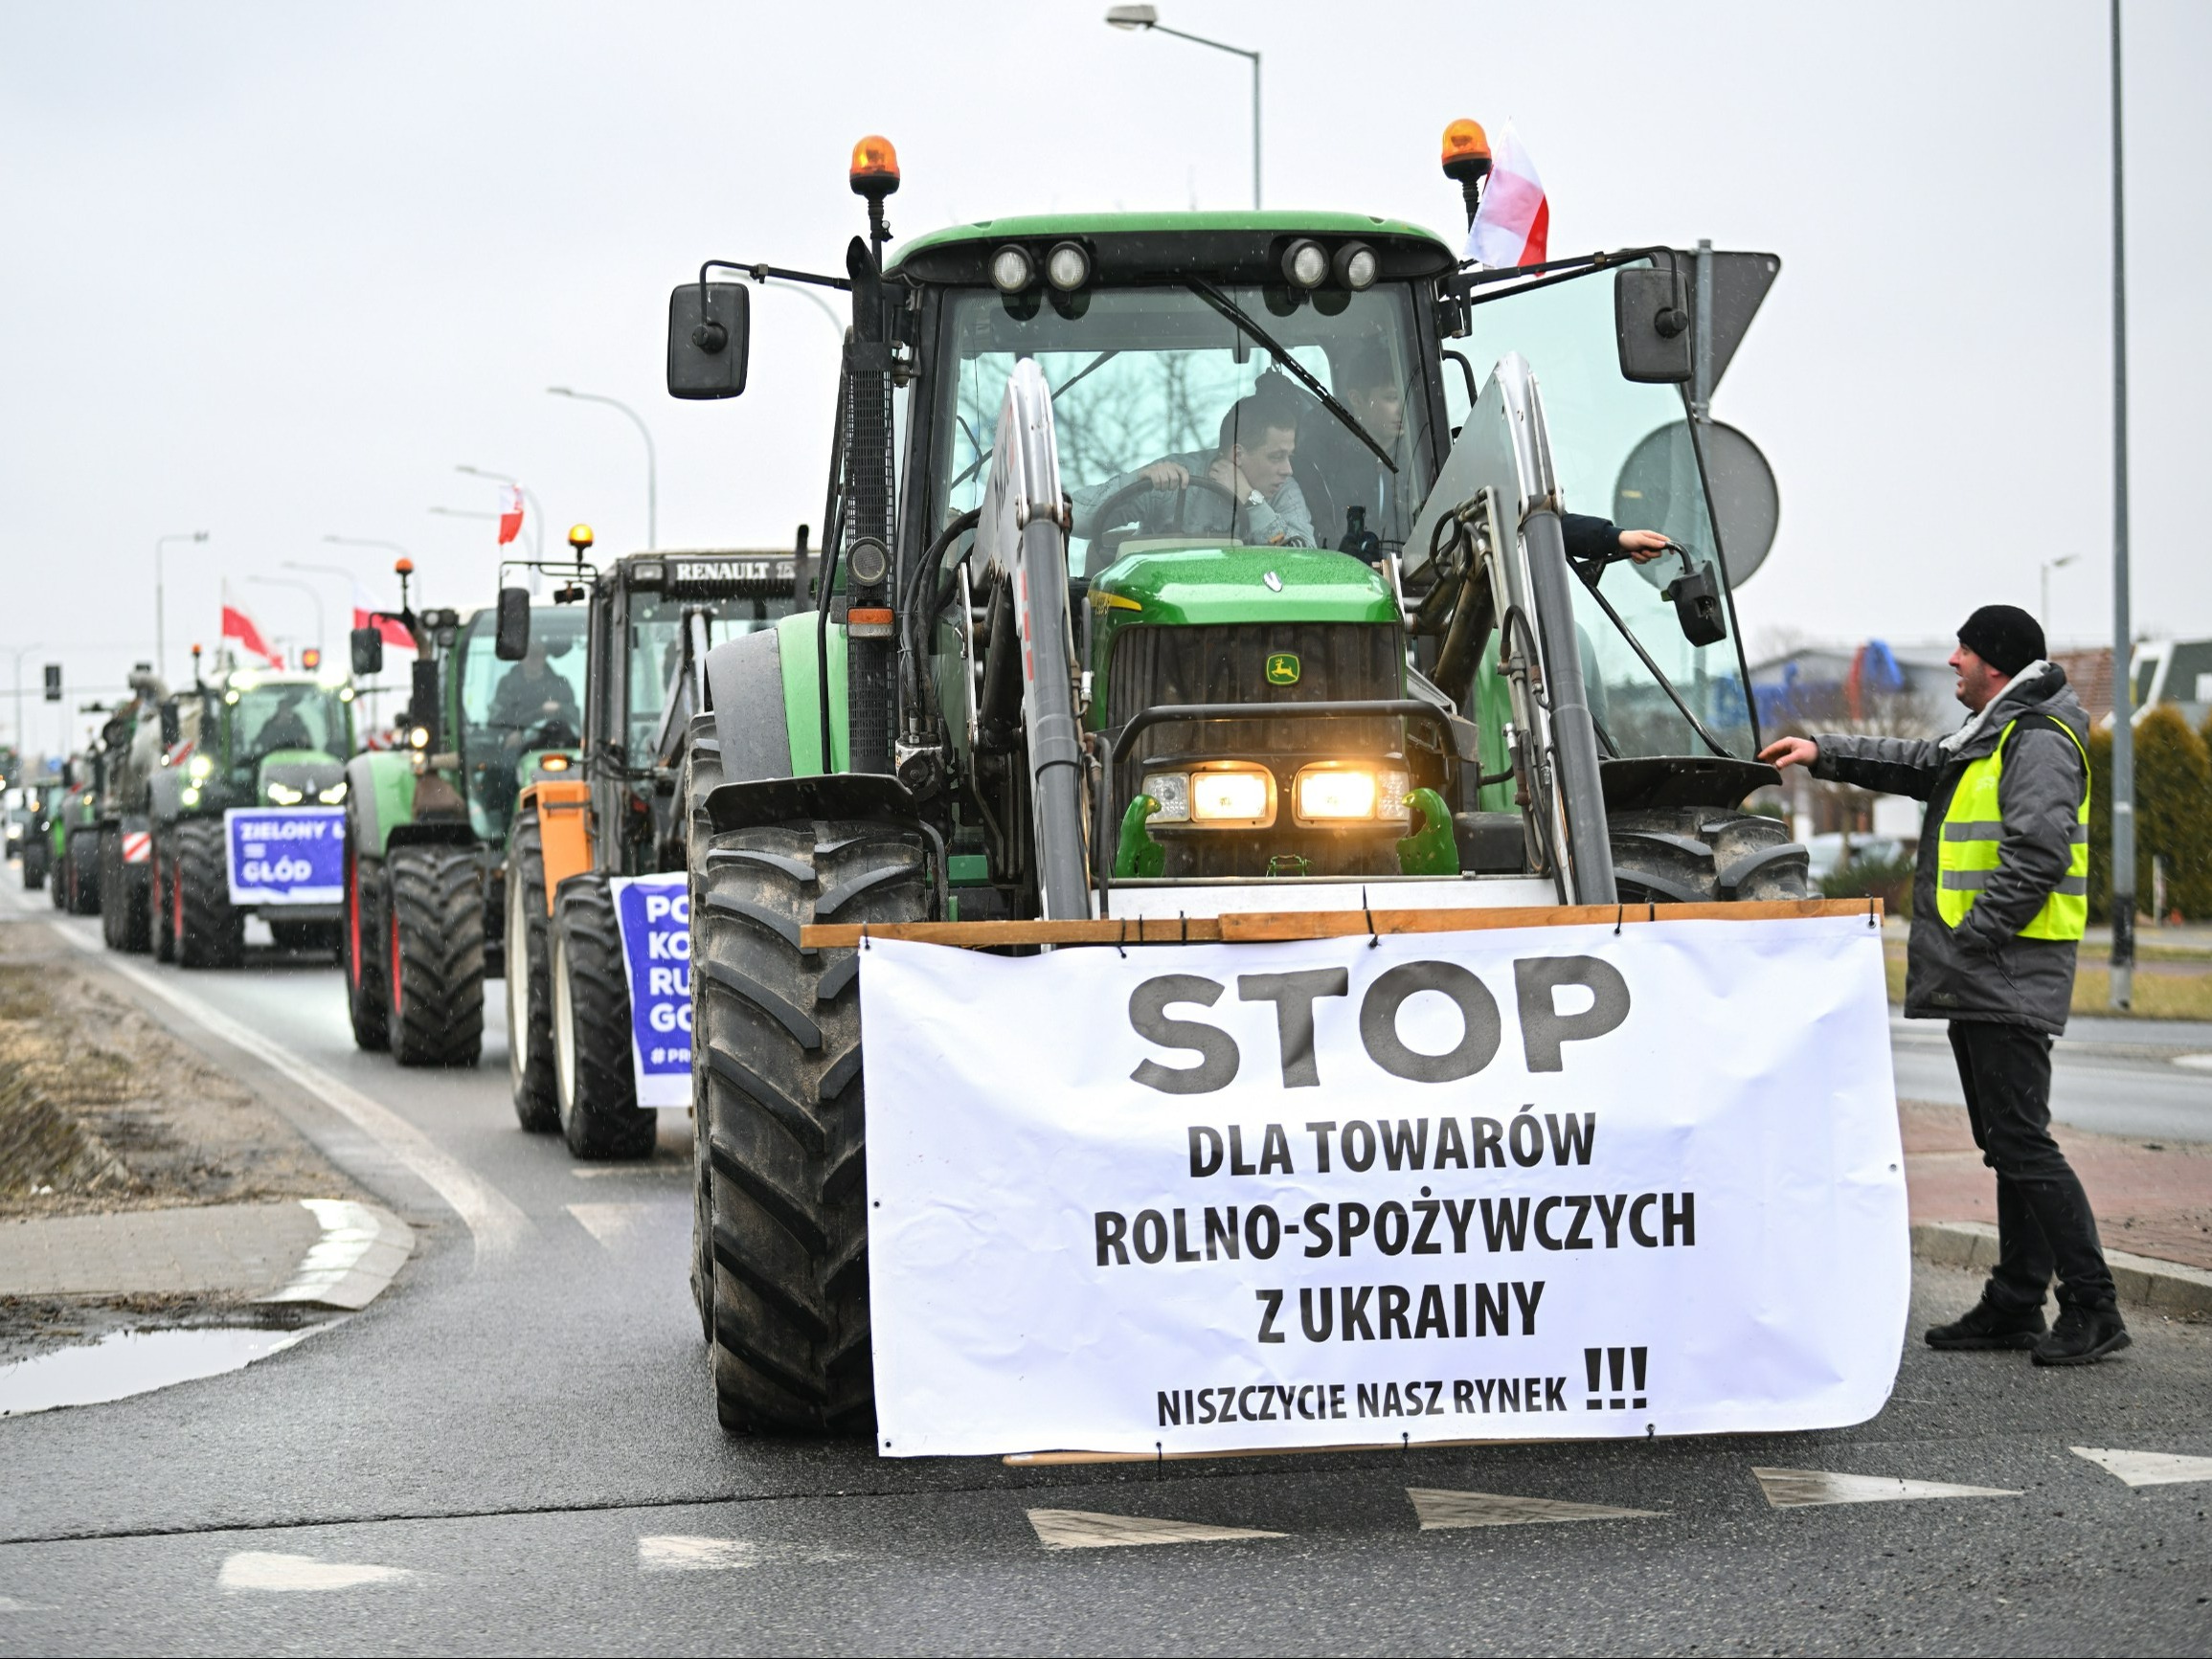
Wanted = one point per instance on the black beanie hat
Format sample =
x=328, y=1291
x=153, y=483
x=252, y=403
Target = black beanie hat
x=2005, y=637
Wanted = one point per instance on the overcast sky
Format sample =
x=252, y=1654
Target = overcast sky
x=272, y=271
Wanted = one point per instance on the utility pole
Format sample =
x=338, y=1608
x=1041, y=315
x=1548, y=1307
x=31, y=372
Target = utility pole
x=161, y=600
x=2123, y=885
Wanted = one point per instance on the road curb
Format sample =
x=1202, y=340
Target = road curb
x=2166, y=1287
x=361, y=1251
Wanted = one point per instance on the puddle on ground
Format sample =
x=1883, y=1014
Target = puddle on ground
x=128, y=1363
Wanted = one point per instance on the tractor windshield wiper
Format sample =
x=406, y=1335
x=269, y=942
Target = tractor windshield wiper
x=1590, y=579
x=1243, y=319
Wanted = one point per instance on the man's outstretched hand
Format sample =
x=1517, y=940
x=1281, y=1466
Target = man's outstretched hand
x=1787, y=752
x=1642, y=545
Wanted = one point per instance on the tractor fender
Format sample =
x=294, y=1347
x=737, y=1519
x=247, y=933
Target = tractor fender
x=379, y=797
x=563, y=809
x=163, y=796
x=745, y=688
x=873, y=797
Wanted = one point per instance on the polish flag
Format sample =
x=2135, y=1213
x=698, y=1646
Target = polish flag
x=510, y=513
x=395, y=632
x=1514, y=222
x=238, y=625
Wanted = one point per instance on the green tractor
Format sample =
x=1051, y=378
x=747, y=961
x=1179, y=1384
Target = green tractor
x=426, y=820
x=244, y=782
x=1185, y=565
x=580, y=835
x=73, y=847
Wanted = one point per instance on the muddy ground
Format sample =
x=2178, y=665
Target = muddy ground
x=102, y=1110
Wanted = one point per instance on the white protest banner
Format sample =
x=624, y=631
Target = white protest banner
x=1529, y=1183
x=654, y=914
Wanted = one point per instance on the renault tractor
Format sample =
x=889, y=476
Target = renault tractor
x=582, y=833
x=426, y=821
x=1183, y=565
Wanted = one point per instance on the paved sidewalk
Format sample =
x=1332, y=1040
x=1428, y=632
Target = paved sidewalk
x=331, y=1252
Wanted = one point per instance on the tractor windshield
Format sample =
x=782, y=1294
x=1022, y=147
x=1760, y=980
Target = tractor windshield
x=511, y=708
x=265, y=719
x=1175, y=424
x=657, y=649
x=1623, y=450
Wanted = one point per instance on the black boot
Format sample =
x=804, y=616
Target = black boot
x=1987, y=1325
x=2082, y=1336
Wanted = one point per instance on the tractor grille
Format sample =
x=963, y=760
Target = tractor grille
x=1337, y=662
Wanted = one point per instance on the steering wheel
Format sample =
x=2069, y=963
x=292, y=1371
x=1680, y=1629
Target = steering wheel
x=1106, y=544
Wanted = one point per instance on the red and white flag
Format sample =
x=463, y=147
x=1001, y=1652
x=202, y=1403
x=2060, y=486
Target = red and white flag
x=1514, y=223
x=241, y=628
x=509, y=512
x=394, y=632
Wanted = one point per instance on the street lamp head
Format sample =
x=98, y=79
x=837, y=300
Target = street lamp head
x=1132, y=16
x=561, y=391
x=199, y=535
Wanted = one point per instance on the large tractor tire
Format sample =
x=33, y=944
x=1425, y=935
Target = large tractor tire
x=57, y=880
x=210, y=933
x=367, y=922
x=115, y=908
x=161, y=884
x=84, y=872
x=1706, y=855
x=530, y=1072
x=436, y=955
x=599, y=1116
x=702, y=774
x=776, y=1043
x=34, y=866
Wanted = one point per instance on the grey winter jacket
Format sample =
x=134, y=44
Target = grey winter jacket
x=1983, y=969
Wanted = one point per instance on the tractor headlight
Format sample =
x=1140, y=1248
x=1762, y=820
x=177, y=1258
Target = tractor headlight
x=1306, y=263
x=285, y=795
x=335, y=794
x=1068, y=267
x=1341, y=792
x=1240, y=795
x=1172, y=791
x=191, y=797
x=201, y=765
x=1011, y=270
x=1356, y=266
x=418, y=738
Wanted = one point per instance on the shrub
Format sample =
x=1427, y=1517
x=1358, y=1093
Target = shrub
x=1889, y=879
x=2173, y=814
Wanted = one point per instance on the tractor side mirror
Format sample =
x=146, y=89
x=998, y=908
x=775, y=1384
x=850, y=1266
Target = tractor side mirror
x=422, y=700
x=710, y=326
x=171, y=726
x=1697, y=601
x=1651, y=321
x=368, y=644
x=510, y=638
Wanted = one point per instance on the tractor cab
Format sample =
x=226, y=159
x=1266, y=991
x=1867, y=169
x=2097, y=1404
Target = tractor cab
x=260, y=737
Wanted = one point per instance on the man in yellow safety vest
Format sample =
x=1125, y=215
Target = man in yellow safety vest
x=1999, y=901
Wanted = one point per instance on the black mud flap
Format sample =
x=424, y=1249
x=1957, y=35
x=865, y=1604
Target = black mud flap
x=840, y=795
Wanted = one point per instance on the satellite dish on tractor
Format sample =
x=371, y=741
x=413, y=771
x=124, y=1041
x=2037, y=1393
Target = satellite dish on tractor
x=1746, y=503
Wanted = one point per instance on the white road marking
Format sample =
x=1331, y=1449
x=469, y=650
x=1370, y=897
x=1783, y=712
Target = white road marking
x=1439, y=1509
x=675, y=1553
x=1087, y=1529
x=362, y=1249
x=2147, y=1467
x=494, y=1220
x=9, y=1604
x=266, y=1570
x=2195, y=1062
x=612, y=1225
x=1792, y=1489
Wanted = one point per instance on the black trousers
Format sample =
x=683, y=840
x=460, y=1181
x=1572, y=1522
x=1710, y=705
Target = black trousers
x=2044, y=1224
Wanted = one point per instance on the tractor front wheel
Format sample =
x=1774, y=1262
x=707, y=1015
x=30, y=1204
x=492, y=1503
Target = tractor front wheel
x=368, y=994
x=529, y=1057
x=435, y=961
x=1704, y=855
x=210, y=932
x=161, y=908
x=600, y=1114
x=776, y=1049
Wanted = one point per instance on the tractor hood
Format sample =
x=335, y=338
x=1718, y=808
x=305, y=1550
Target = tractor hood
x=1194, y=586
x=300, y=777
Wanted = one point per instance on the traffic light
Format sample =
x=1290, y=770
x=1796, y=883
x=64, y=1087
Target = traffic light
x=54, y=682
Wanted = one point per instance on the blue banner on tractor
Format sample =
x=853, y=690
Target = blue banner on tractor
x=655, y=914
x=286, y=854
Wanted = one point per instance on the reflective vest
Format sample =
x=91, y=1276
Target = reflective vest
x=1973, y=828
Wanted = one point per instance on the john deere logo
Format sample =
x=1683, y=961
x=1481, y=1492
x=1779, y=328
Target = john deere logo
x=1282, y=669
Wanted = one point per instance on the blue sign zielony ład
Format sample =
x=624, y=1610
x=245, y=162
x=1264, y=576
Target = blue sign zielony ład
x=655, y=915
x=286, y=854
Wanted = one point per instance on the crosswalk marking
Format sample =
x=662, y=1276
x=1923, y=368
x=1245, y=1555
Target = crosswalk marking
x=1439, y=1509
x=1088, y=1530
x=2147, y=1467
x=1791, y=1489
x=266, y=1570
x=677, y=1553
x=9, y=1604
x=611, y=1224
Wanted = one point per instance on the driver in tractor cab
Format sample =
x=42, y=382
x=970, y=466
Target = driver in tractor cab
x=287, y=728
x=532, y=696
x=1255, y=498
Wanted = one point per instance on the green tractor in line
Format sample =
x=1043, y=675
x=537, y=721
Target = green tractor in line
x=250, y=741
x=1183, y=565
x=580, y=831
x=423, y=904
x=72, y=843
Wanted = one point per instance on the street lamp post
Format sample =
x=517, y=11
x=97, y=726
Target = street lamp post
x=307, y=588
x=652, y=462
x=1147, y=17
x=2123, y=885
x=22, y=744
x=2049, y=565
x=161, y=598
x=536, y=512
